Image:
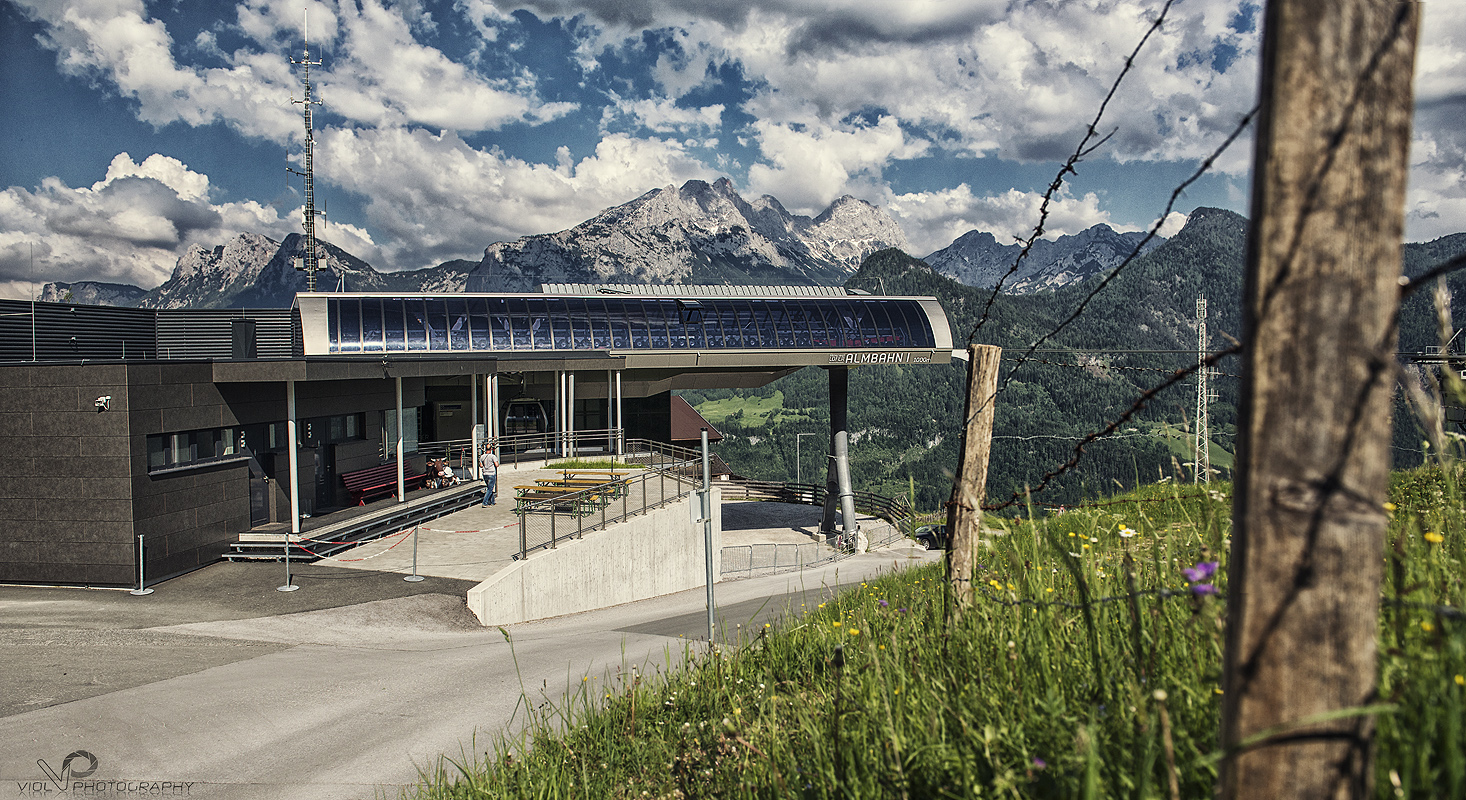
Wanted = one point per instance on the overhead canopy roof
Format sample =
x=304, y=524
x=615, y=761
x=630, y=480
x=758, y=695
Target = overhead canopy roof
x=772, y=329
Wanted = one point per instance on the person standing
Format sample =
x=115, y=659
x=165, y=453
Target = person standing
x=489, y=467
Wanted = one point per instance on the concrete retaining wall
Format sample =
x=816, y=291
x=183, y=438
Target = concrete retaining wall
x=645, y=556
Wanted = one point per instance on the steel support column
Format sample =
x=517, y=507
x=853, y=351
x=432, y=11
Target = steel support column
x=290, y=433
x=401, y=462
x=838, y=488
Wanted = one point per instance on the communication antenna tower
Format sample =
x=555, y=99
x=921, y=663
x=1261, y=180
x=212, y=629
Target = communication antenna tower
x=309, y=263
x=1202, y=458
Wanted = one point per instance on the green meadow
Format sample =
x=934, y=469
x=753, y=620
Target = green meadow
x=1089, y=666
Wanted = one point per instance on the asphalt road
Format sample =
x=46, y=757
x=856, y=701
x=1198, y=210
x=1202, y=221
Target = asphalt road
x=217, y=686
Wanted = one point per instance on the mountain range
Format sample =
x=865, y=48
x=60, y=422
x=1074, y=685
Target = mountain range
x=702, y=233
x=977, y=259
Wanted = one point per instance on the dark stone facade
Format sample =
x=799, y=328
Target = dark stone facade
x=79, y=491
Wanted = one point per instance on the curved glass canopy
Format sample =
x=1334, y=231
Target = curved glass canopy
x=496, y=323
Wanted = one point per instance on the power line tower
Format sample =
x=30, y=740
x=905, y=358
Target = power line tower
x=309, y=263
x=1202, y=455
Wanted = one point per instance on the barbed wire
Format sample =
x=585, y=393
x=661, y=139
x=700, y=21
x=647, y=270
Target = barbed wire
x=1083, y=149
x=1408, y=286
x=1075, y=438
x=1150, y=234
x=1140, y=403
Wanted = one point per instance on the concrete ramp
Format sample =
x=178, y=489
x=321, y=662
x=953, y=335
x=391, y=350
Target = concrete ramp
x=649, y=555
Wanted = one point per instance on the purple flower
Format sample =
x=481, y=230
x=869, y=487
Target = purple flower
x=1203, y=588
x=1039, y=763
x=1200, y=572
x=883, y=603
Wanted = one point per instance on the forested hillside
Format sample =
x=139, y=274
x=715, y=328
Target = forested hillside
x=905, y=421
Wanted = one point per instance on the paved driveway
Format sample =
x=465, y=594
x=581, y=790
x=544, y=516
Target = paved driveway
x=219, y=687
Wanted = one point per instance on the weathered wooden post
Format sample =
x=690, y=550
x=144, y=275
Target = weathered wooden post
x=1313, y=458
x=964, y=511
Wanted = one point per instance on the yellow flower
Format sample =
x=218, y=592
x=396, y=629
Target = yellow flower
x=1427, y=627
x=1012, y=588
x=1086, y=547
x=837, y=623
x=1433, y=537
x=1461, y=680
x=854, y=631
x=1390, y=506
x=1050, y=589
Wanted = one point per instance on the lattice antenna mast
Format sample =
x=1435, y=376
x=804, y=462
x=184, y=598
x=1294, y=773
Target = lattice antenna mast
x=1202, y=455
x=309, y=264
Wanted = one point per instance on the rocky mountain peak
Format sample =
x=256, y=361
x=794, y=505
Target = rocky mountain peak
x=699, y=232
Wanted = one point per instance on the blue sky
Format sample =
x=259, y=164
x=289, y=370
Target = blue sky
x=135, y=130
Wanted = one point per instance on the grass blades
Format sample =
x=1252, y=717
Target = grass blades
x=1089, y=667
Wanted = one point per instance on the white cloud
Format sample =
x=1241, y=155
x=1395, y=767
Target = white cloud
x=932, y=220
x=1172, y=225
x=665, y=116
x=379, y=73
x=129, y=227
x=437, y=198
x=812, y=164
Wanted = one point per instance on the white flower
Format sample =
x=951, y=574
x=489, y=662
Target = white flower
x=1126, y=533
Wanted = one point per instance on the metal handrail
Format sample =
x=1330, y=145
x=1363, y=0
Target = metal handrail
x=895, y=510
x=685, y=476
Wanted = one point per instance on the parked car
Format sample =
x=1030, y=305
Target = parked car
x=934, y=537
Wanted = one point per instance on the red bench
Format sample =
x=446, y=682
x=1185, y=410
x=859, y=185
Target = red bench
x=379, y=480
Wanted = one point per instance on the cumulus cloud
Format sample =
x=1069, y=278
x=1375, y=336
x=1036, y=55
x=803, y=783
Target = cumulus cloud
x=811, y=164
x=437, y=198
x=129, y=227
x=932, y=220
x=382, y=74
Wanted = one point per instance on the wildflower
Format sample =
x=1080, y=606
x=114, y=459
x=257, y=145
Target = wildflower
x=1126, y=533
x=1461, y=680
x=1039, y=763
x=1072, y=553
x=1071, y=535
x=1086, y=547
x=1390, y=506
x=1200, y=572
x=1094, y=538
x=1203, y=589
x=1012, y=588
x=1050, y=589
x=883, y=603
x=854, y=631
x=837, y=623
x=1433, y=537
x=1427, y=626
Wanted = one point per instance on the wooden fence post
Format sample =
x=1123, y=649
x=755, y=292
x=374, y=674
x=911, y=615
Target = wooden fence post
x=1313, y=460
x=964, y=511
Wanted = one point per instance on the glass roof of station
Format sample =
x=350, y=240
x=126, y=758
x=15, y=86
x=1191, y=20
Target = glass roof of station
x=496, y=323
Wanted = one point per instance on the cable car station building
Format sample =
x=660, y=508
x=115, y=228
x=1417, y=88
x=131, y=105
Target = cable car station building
x=177, y=424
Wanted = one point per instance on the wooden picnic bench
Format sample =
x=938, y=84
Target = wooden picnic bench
x=378, y=480
x=575, y=502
